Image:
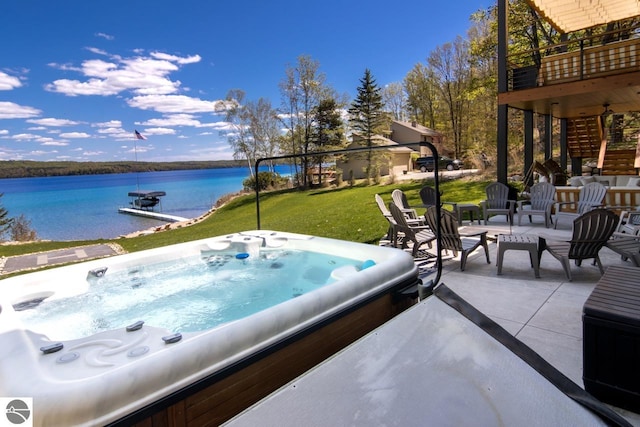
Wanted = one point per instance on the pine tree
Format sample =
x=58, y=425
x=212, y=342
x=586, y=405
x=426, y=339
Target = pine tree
x=366, y=114
x=328, y=132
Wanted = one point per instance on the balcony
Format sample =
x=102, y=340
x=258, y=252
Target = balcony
x=577, y=77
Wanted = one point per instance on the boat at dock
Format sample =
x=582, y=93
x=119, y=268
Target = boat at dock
x=143, y=203
x=145, y=200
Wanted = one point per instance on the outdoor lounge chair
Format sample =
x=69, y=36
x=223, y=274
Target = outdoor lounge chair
x=428, y=197
x=400, y=200
x=392, y=234
x=591, y=231
x=542, y=199
x=497, y=202
x=417, y=235
x=627, y=245
x=591, y=196
x=629, y=223
x=452, y=240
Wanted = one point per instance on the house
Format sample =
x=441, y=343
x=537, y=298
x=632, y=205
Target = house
x=405, y=132
x=396, y=160
x=583, y=86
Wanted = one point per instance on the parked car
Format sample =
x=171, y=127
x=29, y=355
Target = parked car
x=426, y=164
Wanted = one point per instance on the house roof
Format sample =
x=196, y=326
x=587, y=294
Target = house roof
x=572, y=15
x=382, y=141
x=423, y=130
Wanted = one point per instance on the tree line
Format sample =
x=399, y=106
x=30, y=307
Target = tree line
x=28, y=168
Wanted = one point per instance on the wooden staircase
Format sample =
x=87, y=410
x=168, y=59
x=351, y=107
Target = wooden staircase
x=586, y=139
x=584, y=136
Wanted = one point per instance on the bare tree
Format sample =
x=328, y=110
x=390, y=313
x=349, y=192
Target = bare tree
x=238, y=134
x=264, y=127
x=302, y=90
x=451, y=66
x=420, y=86
x=395, y=100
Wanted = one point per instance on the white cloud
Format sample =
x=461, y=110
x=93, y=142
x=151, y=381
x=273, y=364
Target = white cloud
x=50, y=121
x=175, y=104
x=55, y=143
x=109, y=124
x=8, y=82
x=25, y=137
x=105, y=36
x=4, y=132
x=97, y=51
x=10, y=110
x=74, y=135
x=173, y=120
x=93, y=153
x=173, y=58
x=142, y=75
x=39, y=153
x=159, y=131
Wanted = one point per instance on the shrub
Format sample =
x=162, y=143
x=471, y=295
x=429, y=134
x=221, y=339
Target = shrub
x=266, y=180
x=21, y=231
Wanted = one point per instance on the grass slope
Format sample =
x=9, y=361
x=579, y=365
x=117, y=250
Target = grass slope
x=348, y=213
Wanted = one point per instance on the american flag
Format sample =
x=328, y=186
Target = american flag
x=138, y=135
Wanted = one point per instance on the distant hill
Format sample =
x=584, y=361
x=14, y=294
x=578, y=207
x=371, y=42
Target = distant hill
x=27, y=168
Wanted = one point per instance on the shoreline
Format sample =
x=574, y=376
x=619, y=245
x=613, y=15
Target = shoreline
x=222, y=201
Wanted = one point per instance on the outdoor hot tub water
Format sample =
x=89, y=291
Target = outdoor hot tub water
x=95, y=341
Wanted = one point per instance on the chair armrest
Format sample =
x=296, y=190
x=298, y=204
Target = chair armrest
x=471, y=233
x=558, y=205
x=617, y=235
x=419, y=227
x=521, y=203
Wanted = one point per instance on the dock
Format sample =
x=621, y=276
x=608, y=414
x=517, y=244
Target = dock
x=152, y=214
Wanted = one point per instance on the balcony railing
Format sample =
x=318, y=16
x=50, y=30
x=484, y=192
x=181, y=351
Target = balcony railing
x=577, y=59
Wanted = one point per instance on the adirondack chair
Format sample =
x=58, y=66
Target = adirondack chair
x=591, y=196
x=417, y=235
x=591, y=231
x=428, y=197
x=393, y=236
x=451, y=239
x=542, y=199
x=497, y=202
x=400, y=199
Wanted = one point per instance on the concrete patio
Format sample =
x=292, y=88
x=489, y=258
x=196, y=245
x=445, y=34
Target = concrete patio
x=544, y=313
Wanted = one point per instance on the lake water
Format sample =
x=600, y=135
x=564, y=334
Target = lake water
x=86, y=206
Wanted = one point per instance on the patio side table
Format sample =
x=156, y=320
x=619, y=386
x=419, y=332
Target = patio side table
x=611, y=338
x=468, y=207
x=519, y=242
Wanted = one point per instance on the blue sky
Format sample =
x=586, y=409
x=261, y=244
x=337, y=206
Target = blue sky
x=77, y=77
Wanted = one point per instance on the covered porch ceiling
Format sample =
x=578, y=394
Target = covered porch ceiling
x=572, y=15
x=581, y=98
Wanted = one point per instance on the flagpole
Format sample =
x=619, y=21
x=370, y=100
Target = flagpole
x=136, y=136
x=135, y=156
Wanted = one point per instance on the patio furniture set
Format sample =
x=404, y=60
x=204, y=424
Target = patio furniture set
x=593, y=226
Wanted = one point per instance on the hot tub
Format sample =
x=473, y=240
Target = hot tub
x=97, y=372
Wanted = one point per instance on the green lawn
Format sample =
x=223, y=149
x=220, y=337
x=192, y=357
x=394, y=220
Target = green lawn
x=348, y=213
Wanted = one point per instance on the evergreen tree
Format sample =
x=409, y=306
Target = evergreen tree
x=366, y=114
x=328, y=132
x=5, y=221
